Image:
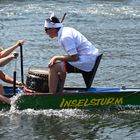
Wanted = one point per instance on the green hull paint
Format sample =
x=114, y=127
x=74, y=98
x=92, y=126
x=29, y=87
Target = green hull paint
x=4, y=106
x=77, y=98
x=82, y=101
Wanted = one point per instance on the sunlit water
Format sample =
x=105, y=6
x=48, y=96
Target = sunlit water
x=114, y=27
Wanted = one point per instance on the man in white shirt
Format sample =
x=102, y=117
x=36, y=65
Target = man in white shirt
x=81, y=54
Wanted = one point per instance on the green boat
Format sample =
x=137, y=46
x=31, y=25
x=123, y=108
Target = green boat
x=35, y=95
x=81, y=98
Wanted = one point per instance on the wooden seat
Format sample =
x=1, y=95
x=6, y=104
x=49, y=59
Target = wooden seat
x=89, y=76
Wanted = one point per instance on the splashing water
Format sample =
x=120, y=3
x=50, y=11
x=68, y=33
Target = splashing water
x=14, y=100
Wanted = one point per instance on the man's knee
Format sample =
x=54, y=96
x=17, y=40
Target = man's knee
x=56, y=68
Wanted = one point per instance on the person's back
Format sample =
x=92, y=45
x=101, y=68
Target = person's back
x=80, y=41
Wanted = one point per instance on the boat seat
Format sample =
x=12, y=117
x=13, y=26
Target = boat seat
x=89, y=76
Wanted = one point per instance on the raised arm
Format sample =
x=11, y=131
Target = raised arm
x=7, y=51
x=7, y=59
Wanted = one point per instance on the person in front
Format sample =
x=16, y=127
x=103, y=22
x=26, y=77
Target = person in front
x=6, y=55
x=80, y=53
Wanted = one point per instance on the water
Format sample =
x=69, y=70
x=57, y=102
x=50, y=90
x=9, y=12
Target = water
x=114, y=27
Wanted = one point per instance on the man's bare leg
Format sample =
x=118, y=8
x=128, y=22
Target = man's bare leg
x=55, y=73
x=3, y=98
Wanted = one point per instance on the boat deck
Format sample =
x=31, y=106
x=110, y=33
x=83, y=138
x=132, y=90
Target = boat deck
x=74, y=90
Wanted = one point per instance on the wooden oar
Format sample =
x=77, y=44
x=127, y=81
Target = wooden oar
x=21, y=64
x=15, y=73
x=14, y=83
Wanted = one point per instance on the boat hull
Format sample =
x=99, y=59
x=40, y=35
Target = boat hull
x=78, y=98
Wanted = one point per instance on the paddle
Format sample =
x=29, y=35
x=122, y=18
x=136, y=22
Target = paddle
x=21, y=63
x=15, y=73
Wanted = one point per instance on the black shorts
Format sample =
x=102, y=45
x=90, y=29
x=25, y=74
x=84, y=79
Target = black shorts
x=71, y=69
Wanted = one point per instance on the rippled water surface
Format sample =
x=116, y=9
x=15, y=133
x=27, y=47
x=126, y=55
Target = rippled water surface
x=114, y=27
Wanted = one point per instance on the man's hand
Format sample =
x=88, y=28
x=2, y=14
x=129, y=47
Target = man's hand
x=52, y=62
x=20, y=42
x=15, y=55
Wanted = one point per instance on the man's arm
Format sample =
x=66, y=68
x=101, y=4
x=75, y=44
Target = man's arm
x=7, y=51
x=63, y=58
x=7, y=59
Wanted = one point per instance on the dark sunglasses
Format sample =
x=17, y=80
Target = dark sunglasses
x=46, y=29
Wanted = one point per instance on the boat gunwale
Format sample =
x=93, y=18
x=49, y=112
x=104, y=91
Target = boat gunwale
x=82, y=91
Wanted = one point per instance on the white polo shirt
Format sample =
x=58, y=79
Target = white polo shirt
x=73, y=42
